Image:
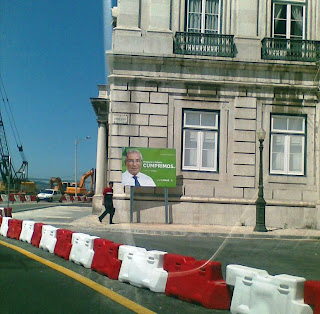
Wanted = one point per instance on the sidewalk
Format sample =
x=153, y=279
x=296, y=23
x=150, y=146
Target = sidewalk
x=80, y=218
x=92, y=222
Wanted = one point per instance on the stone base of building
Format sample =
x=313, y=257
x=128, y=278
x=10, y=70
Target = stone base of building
x=215, y=213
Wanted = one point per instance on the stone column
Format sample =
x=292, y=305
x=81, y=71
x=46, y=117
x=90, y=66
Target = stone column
x=100, y=167
x=317, y=158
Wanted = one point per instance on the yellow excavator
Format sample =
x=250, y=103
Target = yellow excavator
x=70, y=188
x=56, y=183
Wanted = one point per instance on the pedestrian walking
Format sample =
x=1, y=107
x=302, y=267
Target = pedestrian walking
x=108, y=203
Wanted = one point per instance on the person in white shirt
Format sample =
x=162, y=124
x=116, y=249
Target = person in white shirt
x=132, y=176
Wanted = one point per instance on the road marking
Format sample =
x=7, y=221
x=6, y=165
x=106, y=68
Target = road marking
x=88, y=282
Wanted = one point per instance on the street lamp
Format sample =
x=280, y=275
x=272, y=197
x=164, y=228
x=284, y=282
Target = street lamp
x=76, y=164
x=260, y=202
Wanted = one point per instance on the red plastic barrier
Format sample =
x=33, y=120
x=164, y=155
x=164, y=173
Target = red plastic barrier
x=0, y=220
x=71, y=198
x=312, y=294
x=8, y=212
x=105, y=260
x=37, y=234
x=196, y=281
x=11, y=198
x=64, y=198
x=63, y=245
x=173, y=262
x=22, y=198
x=14, y=230
x=33, y=198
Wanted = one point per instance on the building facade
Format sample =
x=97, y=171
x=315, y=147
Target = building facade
x=203, y=77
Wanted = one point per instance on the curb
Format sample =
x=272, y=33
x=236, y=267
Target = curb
x=266, y=236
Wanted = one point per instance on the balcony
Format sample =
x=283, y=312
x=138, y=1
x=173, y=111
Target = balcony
x=290, y=49
x=204, y=44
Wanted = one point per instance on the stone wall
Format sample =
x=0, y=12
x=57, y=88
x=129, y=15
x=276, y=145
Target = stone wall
x=153, y=102
x=150, y=86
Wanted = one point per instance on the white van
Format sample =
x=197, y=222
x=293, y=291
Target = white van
x=49, y=195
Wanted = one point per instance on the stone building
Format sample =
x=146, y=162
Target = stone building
x=203, y=76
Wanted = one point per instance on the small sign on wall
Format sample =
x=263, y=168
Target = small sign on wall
x=118, y=118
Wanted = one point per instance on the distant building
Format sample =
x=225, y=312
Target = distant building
x=203, y=76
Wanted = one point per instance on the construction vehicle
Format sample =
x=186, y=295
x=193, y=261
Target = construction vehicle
x=28, y=188
x=56, y=184
x=70, y=188
x=24, y=188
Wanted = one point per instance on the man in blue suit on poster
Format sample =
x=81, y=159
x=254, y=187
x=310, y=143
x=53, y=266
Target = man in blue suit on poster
x=132, y=176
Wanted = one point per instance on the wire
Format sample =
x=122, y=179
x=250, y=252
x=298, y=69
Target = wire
x=10, y=115
x=20, y=174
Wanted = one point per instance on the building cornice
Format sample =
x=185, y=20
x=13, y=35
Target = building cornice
x=223, y=62
x=215, y=72
x=101, y=108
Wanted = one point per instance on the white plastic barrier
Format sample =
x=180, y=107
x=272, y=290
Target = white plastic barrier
x=234, y=271
x=5, y=226
x=48, y=238
x=4, y=198
x=257, y=292
x=27, y=230
x=82, y=249
x=142, y=268
x=17, y=198
x=28, y=198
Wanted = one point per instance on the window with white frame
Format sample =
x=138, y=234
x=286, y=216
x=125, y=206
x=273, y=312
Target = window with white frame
x=287, y=149
x=200, y=140
x=203, y=16
x=288, y=20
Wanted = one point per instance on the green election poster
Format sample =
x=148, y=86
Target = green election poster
x=152, y=167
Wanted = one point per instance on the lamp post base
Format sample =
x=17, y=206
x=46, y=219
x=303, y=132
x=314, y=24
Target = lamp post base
x=260, y=215
x=260, y=228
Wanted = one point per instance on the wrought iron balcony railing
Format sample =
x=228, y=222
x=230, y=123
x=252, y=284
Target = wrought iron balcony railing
x=290, y=49
x=204, y=44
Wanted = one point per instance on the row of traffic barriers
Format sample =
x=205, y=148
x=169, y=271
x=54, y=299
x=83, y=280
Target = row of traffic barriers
x=33, y=198
x=17, y=198
x=245, y=290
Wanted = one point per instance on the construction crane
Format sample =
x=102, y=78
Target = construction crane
x=10, y=176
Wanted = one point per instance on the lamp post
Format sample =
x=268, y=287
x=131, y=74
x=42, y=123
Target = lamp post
x=9, y=175
x=76, y=163
x=260, y=202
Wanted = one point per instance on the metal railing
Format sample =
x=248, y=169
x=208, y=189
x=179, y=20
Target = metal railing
x=290, y=49
x=204, y=44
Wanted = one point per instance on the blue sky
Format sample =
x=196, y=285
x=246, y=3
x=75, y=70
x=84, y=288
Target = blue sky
x=51, y=61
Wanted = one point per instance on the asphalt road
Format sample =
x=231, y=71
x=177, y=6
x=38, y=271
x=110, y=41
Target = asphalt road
x=28, y=286
x=298, y=257
x=26, y=206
